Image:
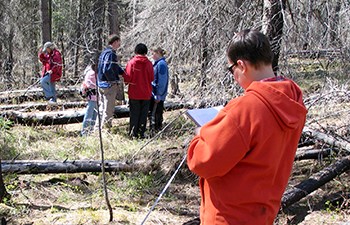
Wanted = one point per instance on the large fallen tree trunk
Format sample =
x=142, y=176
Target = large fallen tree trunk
x=326, y=138
x=75, y=166
x=314, y=154
x=41, y=106
x=19, y=96
x=70, y=116
x=317, y=180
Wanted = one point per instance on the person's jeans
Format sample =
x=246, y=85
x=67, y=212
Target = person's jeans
x=49, y=88
x=156, y=115
x=89, y=118
x=138, y=117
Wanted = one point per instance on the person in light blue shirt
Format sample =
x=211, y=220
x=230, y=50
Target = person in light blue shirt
x=159, y=89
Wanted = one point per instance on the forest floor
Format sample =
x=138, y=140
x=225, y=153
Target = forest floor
x=78, y=198
x=73, y=199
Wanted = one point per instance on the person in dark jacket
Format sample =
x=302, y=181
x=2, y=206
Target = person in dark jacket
x=51, y=59
x=139, y=75
x=108, y=72
x=159, y=89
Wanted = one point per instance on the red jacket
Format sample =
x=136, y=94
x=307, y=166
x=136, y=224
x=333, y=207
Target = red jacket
x=52, y=61
x=244, y=156
x=139, y=75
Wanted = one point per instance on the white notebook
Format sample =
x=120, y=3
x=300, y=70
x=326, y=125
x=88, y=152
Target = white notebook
x=202, y=116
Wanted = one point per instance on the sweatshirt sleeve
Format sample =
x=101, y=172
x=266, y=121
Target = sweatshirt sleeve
x=162, y=80
x=219, y=146
x=56, y=63
x=128, y=72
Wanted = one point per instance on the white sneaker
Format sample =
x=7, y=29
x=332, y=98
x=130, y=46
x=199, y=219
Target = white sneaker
x=52, y=102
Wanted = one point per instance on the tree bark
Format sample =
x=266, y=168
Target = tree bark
x=273, y=28
x=313, y=154
x=326, y=138
x=3, y=191
x=98, y=23
x=69, y=166
x=301, y=190
x=77, y=36
x=46, y=20
x=20, y=96
x=70, y=116
x=113, y=17
x=333, y=20
x=204, y=48
x=40, y=106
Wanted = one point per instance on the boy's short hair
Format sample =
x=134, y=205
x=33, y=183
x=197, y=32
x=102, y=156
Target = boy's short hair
x=250, y=45
x=141, y=49
x=112, y=38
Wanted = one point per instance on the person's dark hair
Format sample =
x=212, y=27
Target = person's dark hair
x=112, y=38
x=141, y=49
x=251, y=45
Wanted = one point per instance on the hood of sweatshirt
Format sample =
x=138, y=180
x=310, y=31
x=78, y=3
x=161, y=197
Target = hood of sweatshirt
x=283, y=97
x=141, y=59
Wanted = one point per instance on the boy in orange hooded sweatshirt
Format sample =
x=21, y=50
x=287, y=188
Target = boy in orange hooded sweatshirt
x=244, y=156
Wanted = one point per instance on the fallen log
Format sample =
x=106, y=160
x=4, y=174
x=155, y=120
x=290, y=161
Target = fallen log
x=19, y=96
x=313, y=154
x=41, y=106
x=317, y=180
x=69, y=166
x=71, y=116
x=326, y=138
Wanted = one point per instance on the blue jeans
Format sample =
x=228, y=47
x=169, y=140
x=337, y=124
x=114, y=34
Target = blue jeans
x=89, y=118
x=49, y=87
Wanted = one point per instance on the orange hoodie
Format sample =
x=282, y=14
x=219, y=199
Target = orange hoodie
x=244, y=156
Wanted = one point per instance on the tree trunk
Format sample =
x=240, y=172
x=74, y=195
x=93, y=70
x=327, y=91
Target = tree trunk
x=3, y=191
x=76, y=36
x=326, y=139
x=9, y=81
x=46, y=20
x=317, y=180
x=70, y=116
x=333, y=20
x=204, y=57
x=69, y=166
x=113, y=17
x=314, y=154
x=40, y=106
x=273, y=28
x=19, y=96
x=308, y=27
x=98, y=24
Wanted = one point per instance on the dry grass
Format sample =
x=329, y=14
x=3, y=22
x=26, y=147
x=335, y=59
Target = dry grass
x=78, y=198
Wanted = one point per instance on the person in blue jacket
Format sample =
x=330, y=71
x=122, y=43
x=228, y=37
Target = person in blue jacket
x=108, y=72
x=159, y=89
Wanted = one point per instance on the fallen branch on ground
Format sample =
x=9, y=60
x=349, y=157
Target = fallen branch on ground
x=317, y=180
x=71, y=166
